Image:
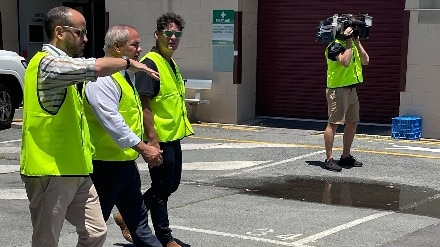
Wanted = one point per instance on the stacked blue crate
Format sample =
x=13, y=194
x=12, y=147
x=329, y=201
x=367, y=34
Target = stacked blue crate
x=406, y=127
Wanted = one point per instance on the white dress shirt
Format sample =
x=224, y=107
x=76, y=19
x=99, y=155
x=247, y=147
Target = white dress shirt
x=103, y=96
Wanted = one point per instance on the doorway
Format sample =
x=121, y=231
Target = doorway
x=1, y=32
x=93, y=11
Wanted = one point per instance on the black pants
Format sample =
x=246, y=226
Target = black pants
x=165, y=180
x=118, y=183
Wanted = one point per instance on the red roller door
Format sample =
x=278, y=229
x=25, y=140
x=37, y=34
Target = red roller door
x=291, y=67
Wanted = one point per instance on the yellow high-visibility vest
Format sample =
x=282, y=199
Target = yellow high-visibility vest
x=168, y=107
x=340, y=76
x=104, y=148
x=53, y=144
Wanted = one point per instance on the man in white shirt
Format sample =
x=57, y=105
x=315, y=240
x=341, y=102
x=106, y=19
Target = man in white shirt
x=114, y=115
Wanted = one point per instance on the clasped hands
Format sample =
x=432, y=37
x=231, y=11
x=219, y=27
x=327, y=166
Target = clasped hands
x=153, y=156
x=150, y=153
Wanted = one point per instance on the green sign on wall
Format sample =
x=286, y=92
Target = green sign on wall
x=222, y=27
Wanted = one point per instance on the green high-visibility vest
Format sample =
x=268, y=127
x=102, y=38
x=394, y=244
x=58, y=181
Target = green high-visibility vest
x=53, y=144
x=340, y=76
x=104, y=148
x=168, y=107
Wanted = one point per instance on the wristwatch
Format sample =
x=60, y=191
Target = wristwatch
x=127, y=59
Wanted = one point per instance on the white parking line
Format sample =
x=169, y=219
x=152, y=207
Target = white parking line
x=196, y=146
x=275, y=163
x=244, y=237
x=10, y=150
x=19, y=140
x=4, y=169
x=212, y=165
x=220, y=165
x=333, y=230
x=233, y=145
x=399, y=147
x=420, y=202
x=13, y=194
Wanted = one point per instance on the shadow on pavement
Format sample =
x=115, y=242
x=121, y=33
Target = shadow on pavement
x=363, y=128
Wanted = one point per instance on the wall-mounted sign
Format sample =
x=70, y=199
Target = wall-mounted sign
x=223, y=27
x=39, y=17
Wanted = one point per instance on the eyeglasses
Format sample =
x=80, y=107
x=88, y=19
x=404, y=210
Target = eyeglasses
x=79, y=32
x=170, y=33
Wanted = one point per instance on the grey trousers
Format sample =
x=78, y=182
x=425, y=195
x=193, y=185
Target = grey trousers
x=54, y=199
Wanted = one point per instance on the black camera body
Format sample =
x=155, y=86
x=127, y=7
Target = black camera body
x=360, y=24
x=334, y=26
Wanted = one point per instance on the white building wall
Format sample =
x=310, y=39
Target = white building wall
x=422, y=94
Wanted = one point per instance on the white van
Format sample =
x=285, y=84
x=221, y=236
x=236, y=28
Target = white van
x=12, y=67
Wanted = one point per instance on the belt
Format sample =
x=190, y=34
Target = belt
x=349, y=86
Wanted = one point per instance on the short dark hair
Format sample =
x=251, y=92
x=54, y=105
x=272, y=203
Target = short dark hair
x=164, y=20
x=58, y=16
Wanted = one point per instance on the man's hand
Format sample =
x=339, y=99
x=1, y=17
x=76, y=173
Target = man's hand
x=151, y=155
x=356, y=40
x=154, y=144
x=137, y=66
x=348, y=32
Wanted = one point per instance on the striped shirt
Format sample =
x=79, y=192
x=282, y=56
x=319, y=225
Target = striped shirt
x=57, y=71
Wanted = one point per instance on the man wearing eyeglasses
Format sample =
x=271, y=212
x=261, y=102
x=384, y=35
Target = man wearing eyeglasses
x=165, y=122
x=56, y=157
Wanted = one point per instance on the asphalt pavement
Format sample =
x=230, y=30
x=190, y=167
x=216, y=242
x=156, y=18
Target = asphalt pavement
x=260, y=185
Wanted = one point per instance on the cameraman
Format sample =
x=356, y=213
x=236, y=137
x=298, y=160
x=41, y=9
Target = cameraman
x=345, y=56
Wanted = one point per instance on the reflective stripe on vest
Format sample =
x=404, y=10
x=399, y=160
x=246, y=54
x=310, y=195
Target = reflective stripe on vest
x=340, y=76
x=168, y=107
x=53, y=144
x=131, y=110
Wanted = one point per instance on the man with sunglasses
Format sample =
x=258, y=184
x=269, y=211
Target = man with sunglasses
x=56, y=157
x=165, y=122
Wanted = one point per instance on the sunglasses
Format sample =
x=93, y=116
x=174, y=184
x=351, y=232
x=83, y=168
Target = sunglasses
x=79, y=32
x=170, y=33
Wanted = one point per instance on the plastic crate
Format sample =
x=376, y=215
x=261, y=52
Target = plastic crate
x=406, y=127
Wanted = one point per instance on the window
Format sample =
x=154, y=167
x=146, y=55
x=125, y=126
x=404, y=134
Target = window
x=36, y=33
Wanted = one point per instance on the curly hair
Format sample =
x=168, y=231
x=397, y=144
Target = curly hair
x=164, y=20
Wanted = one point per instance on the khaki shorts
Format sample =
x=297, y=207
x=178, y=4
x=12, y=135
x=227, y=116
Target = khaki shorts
x=343, y=105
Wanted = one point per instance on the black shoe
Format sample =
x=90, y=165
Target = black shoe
x=332, y=165
x=181, y=243
x=350, y=161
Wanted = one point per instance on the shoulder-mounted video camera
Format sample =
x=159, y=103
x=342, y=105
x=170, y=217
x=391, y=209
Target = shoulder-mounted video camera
x=333, y=27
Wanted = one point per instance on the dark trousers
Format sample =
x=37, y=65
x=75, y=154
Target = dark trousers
x=165, y=180
x=118, y=183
